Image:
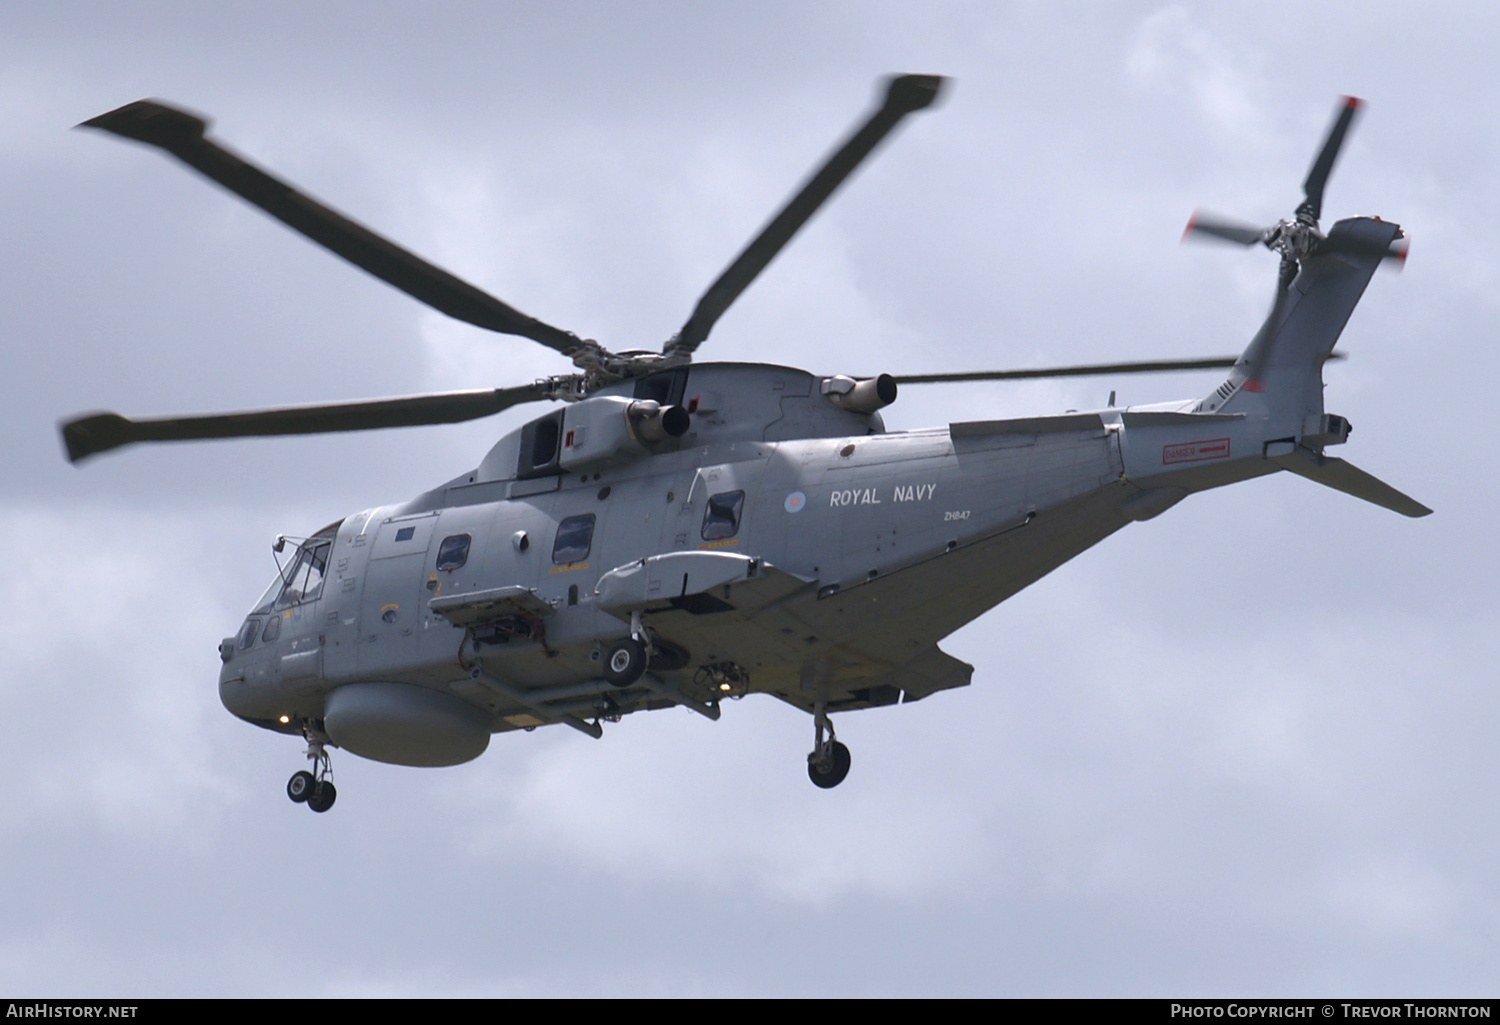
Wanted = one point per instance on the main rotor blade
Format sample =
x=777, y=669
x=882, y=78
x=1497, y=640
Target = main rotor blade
x=904, y=95
x=100, y=432
x=182, y=135
x=1085, y=370
x=1317, y=177
x=1229, y=231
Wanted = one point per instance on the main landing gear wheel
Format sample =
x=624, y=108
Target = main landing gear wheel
x=322, y=797
x=828, y=763
x=625, y=663
x=300, y=787
x=830, y=772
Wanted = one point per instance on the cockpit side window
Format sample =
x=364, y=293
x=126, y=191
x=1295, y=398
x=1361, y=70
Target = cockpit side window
x=302, y=576
x=575, y=536
x=722, y=517
x=304, y=581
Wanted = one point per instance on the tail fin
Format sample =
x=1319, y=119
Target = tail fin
x=1280, y=375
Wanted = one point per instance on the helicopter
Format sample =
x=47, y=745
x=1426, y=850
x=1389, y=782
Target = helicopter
x=677, y=533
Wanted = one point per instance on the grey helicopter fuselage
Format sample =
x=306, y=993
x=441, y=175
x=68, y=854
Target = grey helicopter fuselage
x=782, y=544
x=823, y=495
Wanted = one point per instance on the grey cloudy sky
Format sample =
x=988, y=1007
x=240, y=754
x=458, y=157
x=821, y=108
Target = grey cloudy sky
x=1246, y=748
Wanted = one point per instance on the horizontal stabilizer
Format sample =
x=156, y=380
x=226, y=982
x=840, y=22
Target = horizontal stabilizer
x=1348, y=478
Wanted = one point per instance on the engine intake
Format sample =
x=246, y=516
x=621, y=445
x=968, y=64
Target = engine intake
x=610, y=428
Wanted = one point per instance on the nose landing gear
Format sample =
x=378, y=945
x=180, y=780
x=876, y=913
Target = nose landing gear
x=828, y=763
x=300, y=787
x=315, y=789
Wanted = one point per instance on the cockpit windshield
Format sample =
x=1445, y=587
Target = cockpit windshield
x=302, y=578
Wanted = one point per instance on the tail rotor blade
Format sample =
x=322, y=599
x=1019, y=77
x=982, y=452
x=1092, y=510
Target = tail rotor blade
x=1317, y=177
x=1229, y=231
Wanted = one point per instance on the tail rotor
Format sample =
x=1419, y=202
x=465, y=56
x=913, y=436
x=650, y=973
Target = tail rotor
x=1299, y=236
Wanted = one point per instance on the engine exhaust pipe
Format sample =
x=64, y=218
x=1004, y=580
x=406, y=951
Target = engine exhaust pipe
x=653, y=422
x=865, y=396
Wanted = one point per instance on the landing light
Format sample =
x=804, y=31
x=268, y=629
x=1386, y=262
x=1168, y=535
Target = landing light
x=285, y=719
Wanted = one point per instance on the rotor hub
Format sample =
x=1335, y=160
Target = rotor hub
x=1293, y=239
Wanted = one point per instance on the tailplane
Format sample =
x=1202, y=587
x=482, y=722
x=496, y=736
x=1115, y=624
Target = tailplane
x=1343, y=476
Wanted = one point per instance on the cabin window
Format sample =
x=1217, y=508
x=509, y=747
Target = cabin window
x=247, y=635
x=575, y=536
x=273, y=630
x=453, y=552
x=722, y=517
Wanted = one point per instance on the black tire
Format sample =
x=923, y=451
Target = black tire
x=625, y=662
x=323, y=796
x=300, y=787
x=834, y=774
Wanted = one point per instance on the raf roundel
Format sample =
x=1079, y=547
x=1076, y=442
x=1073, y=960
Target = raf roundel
x=795, y=501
